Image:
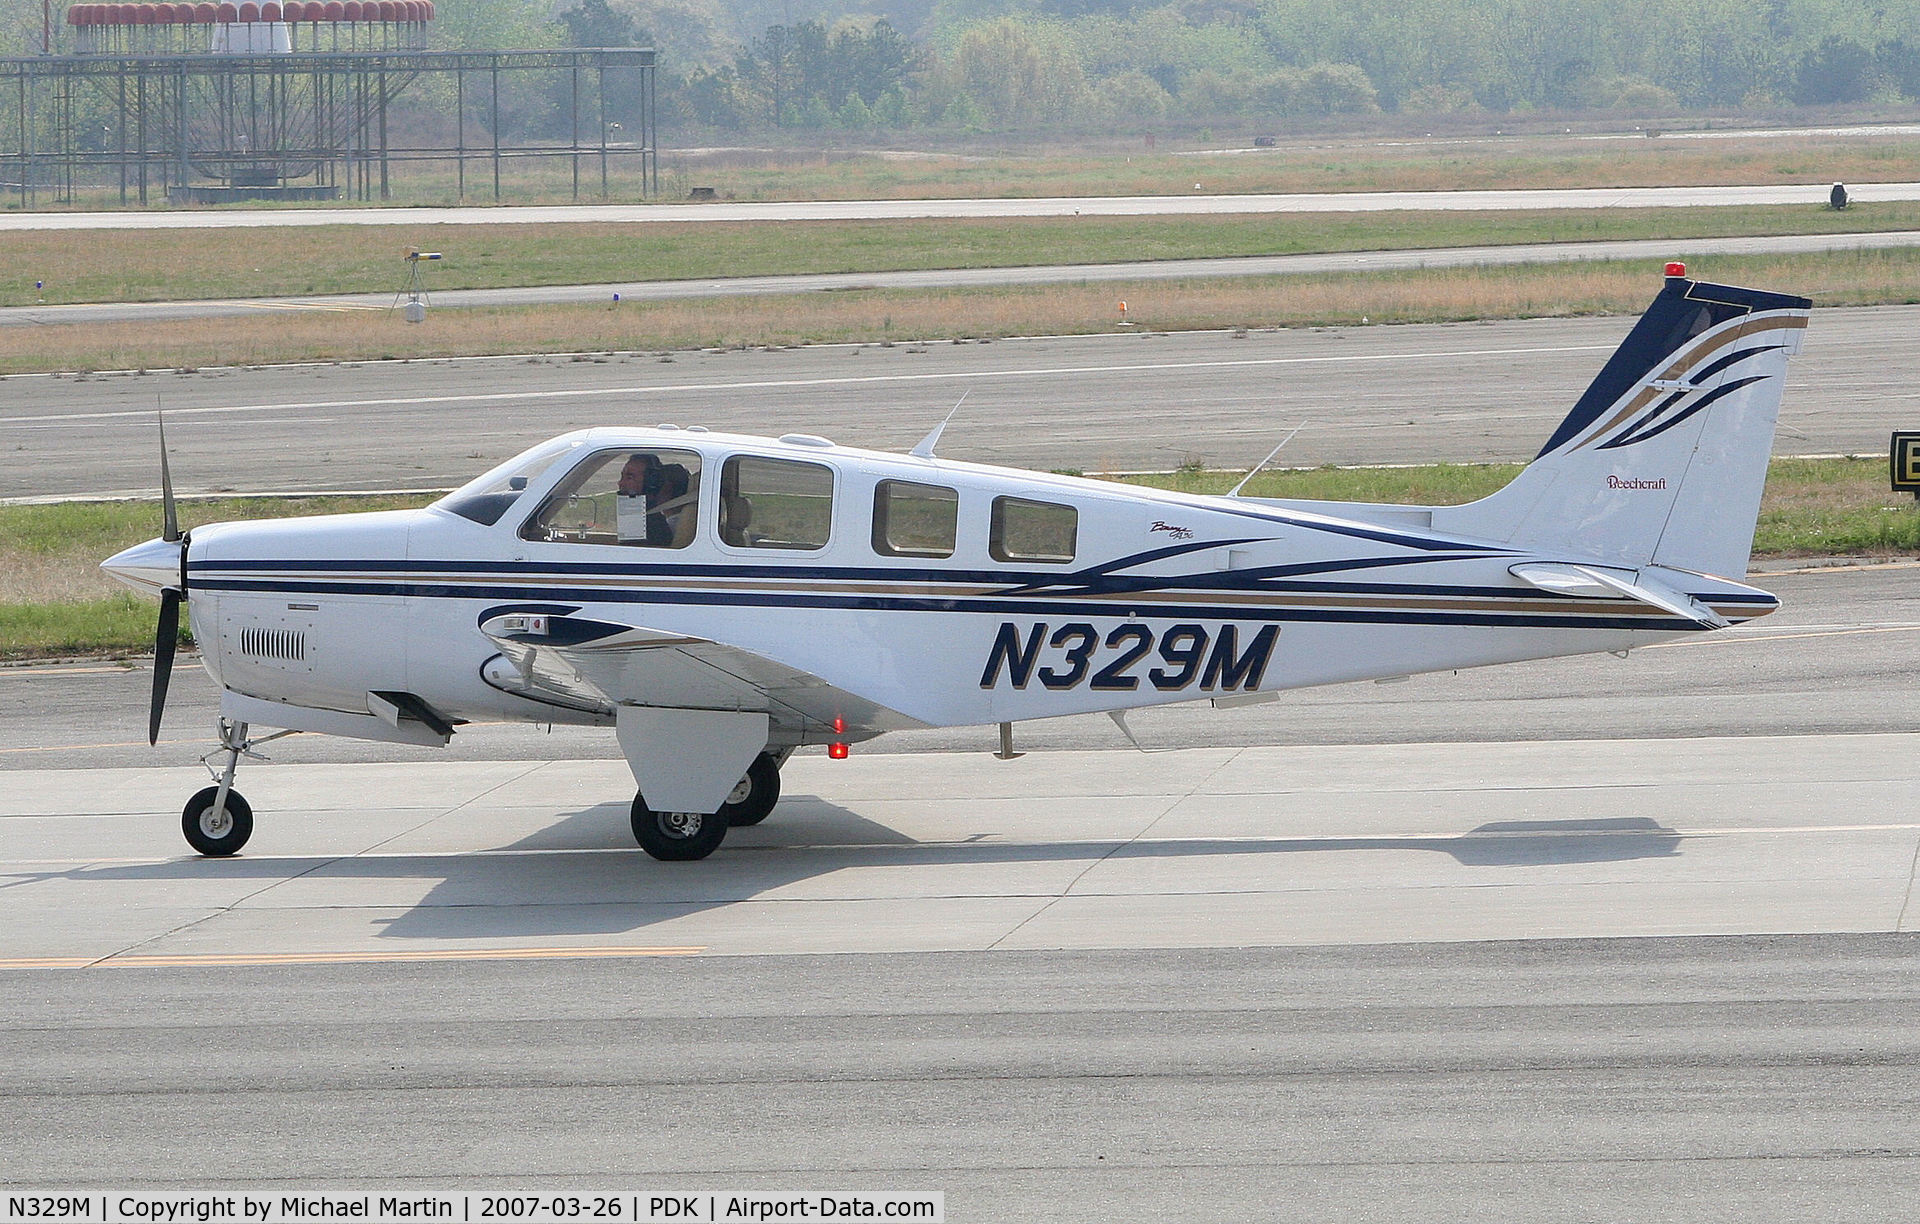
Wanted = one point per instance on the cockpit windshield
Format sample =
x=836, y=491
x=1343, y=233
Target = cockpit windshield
x=485, y=498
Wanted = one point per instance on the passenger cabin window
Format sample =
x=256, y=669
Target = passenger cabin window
x=645, y=497
x=914, y=520
x=775, y=503
x=1025, y=530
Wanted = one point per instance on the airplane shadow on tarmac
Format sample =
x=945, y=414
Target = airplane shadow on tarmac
x=561, y=881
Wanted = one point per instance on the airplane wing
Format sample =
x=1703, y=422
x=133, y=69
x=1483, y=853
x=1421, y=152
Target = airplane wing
x=601, y=665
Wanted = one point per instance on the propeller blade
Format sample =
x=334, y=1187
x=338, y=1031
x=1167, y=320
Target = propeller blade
x=171, y=519
x=164, y=641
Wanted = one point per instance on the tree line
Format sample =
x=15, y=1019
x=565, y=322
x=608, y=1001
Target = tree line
x=1091, y=65
x=1115, y=64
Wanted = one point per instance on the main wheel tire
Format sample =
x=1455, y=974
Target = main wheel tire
x=677, y=837
x=750, y=801
x=217, y=834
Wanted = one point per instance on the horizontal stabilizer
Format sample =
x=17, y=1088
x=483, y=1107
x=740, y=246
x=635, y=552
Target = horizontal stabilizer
x=1598, y=582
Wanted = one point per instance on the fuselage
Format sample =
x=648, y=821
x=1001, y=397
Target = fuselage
x=932, y=592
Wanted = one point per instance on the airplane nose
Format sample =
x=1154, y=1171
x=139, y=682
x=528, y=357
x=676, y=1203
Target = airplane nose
x=148, y=568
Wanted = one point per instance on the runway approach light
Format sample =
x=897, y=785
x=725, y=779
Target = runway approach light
x=1676, y=269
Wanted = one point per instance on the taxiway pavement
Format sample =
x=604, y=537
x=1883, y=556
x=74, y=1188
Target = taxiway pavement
x=1549, y=981
x=914, y=852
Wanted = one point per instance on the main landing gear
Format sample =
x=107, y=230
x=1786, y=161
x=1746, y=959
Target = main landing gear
x=218, y=821
x=678, y=837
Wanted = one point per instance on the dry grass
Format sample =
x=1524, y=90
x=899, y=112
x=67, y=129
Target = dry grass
x=1482, y=153
x=1435, y=295
x=51, y=579
x=1485, y=155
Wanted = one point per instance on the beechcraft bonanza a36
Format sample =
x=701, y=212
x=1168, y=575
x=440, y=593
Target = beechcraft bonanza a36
x=720, y=601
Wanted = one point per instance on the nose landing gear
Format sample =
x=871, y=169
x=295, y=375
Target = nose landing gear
x=218, y=821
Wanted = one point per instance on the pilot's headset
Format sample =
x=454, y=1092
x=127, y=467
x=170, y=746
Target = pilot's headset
x=650, y=474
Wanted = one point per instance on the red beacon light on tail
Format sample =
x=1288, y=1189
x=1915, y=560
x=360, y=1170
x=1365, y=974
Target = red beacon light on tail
x=1676, y=269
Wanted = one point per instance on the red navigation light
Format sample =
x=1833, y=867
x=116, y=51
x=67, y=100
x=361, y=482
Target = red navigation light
x=837, y=751
x=1676, y=269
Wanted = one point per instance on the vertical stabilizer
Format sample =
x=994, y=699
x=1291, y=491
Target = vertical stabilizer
x=1663, y=459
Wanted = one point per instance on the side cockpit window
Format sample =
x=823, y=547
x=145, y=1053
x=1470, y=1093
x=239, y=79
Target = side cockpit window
x=775, y=503
x=914, y=520
x=641, y=497
x=1024, y=530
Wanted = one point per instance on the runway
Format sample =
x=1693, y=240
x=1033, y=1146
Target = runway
x=1467, y=393
x=1198, y=203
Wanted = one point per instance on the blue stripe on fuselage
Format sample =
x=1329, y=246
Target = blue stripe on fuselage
x=1028, y=607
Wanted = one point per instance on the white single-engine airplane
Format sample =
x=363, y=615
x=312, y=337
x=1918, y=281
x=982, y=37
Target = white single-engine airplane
x=722, y=600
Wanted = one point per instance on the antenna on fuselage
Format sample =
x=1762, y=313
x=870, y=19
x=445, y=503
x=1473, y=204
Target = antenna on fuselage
x=925, y=449
x=1255, y=470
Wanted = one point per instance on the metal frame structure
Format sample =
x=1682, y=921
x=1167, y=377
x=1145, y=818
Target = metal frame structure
x=209, y=127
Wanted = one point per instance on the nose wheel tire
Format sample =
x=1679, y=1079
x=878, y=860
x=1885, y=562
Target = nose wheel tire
x=750, y=801
x=217, y=833
x=677, y=837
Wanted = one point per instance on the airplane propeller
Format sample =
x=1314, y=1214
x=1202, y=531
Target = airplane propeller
x=167, y=635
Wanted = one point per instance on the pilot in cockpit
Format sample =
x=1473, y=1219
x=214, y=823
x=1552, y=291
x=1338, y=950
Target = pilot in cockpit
x=661, y=510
